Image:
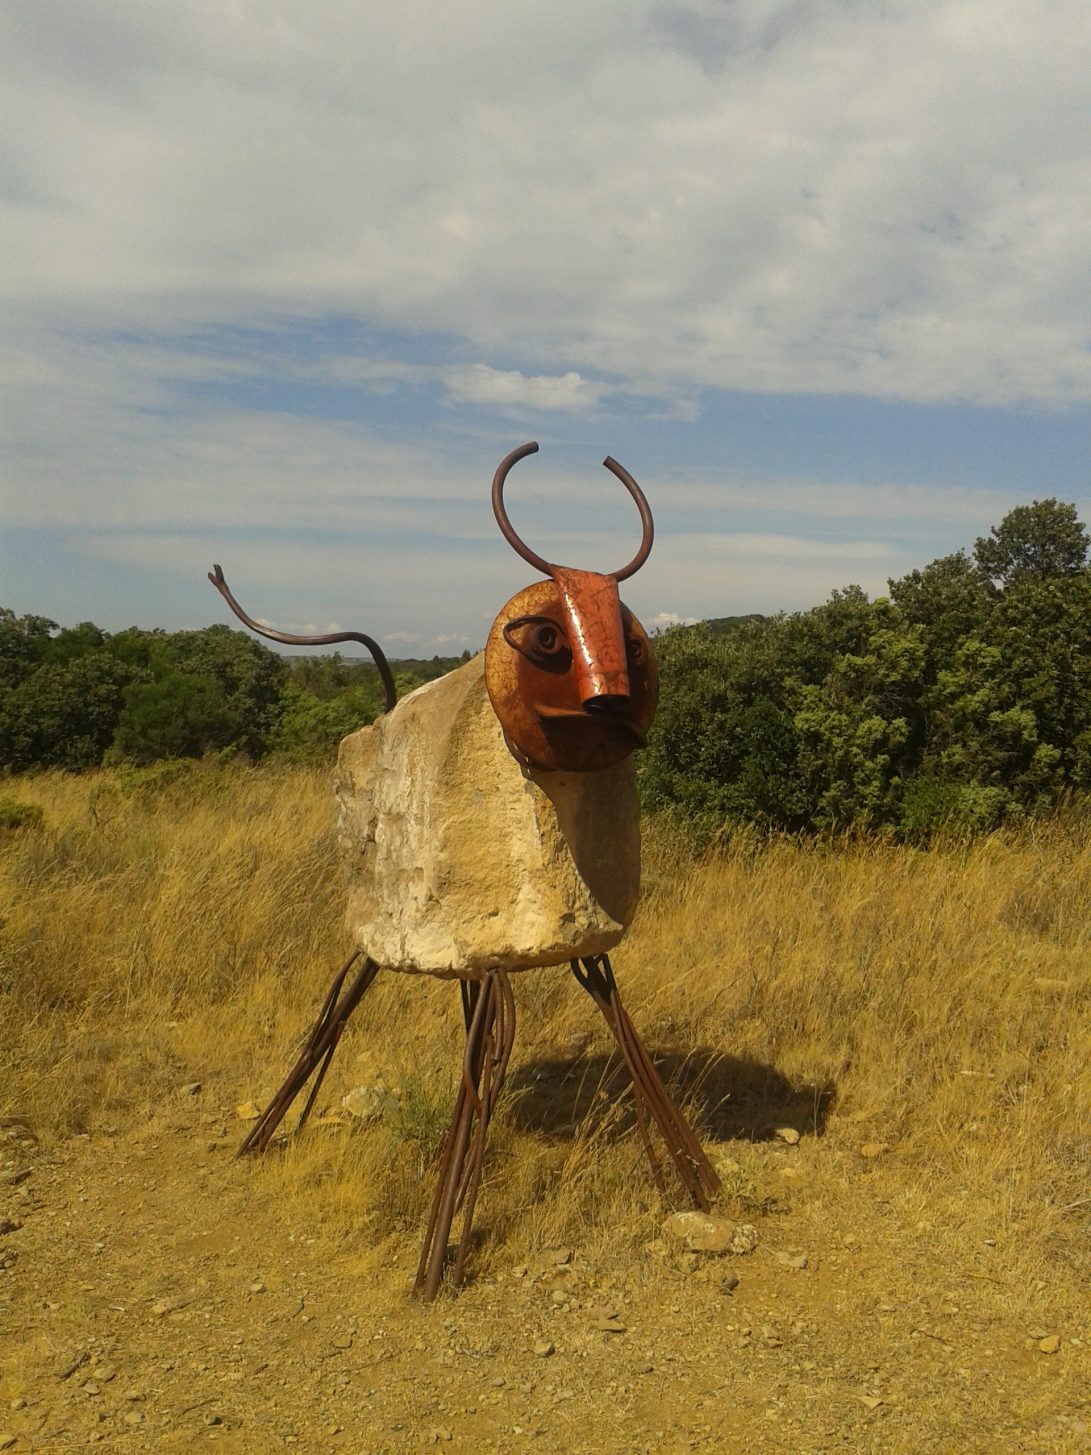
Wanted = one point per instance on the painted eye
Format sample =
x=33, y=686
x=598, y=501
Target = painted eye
x=636, y=649
x=541, y=640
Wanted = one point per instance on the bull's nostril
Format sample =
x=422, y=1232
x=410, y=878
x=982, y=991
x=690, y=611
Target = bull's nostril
x=608, y=705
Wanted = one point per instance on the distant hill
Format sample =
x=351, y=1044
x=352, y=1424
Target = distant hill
x=427, y=668
x=721, y=625
x=424, y=669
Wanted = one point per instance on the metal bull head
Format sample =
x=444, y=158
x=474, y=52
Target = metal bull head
x=569, y=670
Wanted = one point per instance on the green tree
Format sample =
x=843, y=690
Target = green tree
x=984, y=734
x=859, y=729
x=324, y=677
x=949, y=600
x=723, y=743
x=247, y=675
x=175, y=715
x=63, y=715
x=1042, y=630
x=23, y=644
x=72, y=642
x=198, y=692
x=841, y=626
x=1042, y=540
x=310, y=728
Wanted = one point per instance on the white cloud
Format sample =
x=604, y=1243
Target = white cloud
x=301, y=628
x=478, y=384
x=844, y=500
x=787, y=195
x=664, y=619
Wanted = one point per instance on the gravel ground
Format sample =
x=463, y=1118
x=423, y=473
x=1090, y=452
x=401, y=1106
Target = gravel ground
x=155, y=1294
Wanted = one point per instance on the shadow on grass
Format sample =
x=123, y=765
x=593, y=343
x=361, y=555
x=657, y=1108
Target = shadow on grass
x=730, y=1098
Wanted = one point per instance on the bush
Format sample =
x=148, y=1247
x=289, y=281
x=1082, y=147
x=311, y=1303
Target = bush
x=15, y=815
x=931, y=808
x=311, y=728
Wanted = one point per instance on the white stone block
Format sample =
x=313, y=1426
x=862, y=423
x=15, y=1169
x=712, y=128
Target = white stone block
x=458, y=859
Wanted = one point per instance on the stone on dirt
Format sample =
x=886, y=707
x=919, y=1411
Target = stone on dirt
x=370, y=1103
x=71, y=1364
x=166, y=1306
x=551, y=1258
x=745, y=1239
x=797, y=1261
x=709, y=1233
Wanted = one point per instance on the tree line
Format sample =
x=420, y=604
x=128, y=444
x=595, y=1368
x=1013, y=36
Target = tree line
x=962, y=697
x=79, y=697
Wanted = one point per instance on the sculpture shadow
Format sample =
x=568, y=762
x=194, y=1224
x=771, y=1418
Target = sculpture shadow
x=729, y=1098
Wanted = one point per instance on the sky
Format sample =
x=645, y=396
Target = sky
x=282, y=283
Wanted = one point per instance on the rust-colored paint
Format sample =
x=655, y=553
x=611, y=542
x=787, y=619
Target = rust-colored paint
x=570, y=671
x=536, y=692
x=596, y=636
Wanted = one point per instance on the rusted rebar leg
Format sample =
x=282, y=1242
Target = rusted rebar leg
x=317, y=1053
x=693, y=1167
x=489, y=1010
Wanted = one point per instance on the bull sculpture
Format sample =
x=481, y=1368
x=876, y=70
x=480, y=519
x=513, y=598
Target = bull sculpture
x=488, y=824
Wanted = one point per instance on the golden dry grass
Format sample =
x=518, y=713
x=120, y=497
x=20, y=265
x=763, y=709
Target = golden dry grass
x=185, y=930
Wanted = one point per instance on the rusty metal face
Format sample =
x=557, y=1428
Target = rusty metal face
x=570, y=671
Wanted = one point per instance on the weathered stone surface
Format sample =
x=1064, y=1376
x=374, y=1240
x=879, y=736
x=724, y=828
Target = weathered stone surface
x=459, y=859
x=710, y=1233
x=370, y=1103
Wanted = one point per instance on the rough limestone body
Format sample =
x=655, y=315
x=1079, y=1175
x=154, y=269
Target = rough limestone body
x=458, y=859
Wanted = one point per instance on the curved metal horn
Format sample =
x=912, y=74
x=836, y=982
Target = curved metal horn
x=507, y=530
x=646, y=524
x=216, y=576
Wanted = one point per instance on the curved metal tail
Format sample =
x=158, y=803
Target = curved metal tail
x=216, y=576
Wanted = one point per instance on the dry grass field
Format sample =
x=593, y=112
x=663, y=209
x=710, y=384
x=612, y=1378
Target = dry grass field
x=921, y=1019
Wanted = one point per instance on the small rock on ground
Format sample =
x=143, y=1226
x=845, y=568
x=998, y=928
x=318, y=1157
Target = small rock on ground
x=709, y=1233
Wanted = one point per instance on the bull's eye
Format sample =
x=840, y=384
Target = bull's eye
x=636, y=650
x=541, y=640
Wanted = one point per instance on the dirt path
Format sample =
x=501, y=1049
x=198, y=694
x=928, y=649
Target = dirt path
x=156, y=1295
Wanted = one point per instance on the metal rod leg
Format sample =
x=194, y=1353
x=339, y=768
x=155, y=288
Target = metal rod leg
x=490, y=1010
x=316, y=1054
x=453, y=1156
x=693, y=1167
